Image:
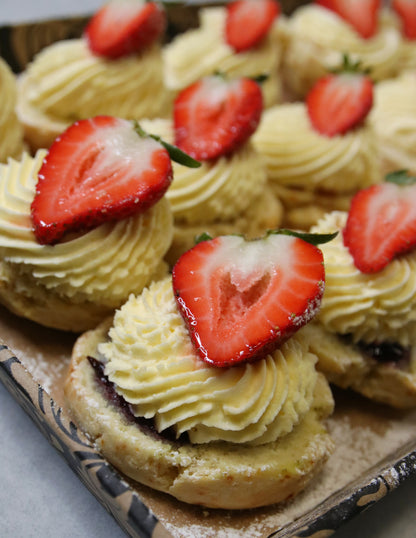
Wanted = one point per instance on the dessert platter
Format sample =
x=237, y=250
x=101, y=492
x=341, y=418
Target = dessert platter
x=111, y=313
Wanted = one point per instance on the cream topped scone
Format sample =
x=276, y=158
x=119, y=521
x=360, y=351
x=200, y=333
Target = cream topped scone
x=369, y=305
x=11, y=131
x=319, y=153
x=393, y=119
x=403, y=17
x=205, y=50
x=229, y=193
x=83, y=225
x=187, y=389
x=97, y=74
x=318, y=36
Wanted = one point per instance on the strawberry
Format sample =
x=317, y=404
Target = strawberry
x=362, y=15
x=214, y=117
x=124, y=27
x=241, y=299
x=406, y=9
x=381, y=222
x=99, y=169
x=341, y=100
x=248, y=22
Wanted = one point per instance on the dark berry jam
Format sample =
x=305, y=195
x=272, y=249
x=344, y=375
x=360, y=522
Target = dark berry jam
x=385, y=351
x=109, y=392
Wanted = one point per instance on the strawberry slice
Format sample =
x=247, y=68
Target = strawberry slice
x=406, y=9
x=340, y=101
x=99, y=169
x=362, y=15
x=381, y=223
x=124, y=27
x=241, y=299
x=214, y=117
x=248, y=22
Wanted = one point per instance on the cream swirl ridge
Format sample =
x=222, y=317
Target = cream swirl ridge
x=369, y=307
x=11, y=132
x=150, y=359
x=298, y=156
x=105, y=264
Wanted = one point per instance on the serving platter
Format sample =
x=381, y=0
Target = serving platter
x=375, y=446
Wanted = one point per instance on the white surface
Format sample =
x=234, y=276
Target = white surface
x=41, y=496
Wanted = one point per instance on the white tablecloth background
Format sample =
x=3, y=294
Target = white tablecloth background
x=41, y=496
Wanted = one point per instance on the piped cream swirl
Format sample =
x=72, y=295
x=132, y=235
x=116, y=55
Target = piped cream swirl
x=11, y=131
x=296, y=155
x=370, y=307
x=208, y=193
x=67, y=82
x=150, y=358
x=102, y=266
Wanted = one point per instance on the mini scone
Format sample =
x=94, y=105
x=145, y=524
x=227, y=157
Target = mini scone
x=75, y=237
x=369, y=305
x=229, y=192
x=235, y=421
x=393, y=119
x=205, y=50
x=318, y=36
x=318, y=153
x=11, y=131
x=81, y=78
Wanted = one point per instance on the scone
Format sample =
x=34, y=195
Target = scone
x=393, y=119
x=75, y=282
x=203, y=51
x=370, y=313
x=317, y=38
x=11, y=131
x=404, y=19
x=317, y=158
x=69, y=80
x=212, y=424
x=228, y=193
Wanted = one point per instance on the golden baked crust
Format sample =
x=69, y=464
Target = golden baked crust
x=216, y=475
x=345, y=366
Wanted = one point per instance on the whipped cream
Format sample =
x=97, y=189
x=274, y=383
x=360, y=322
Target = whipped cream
x=369, y=307
x=11, y=131
x=203, y=51
x=150, y=359
x=296, y=155
x=103, y=265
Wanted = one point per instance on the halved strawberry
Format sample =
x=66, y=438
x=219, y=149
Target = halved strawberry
x=381, y=222
x=124, y=27
x=99, y=169
x=248, y=22
x=340, y=101
x=242, y=299
x=361, y=14
x=214, y=117
x=406, y=9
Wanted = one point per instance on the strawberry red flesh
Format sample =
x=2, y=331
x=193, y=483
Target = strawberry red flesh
x=406, y=9
x=98, y=170
x=381, y=225
x=362, y=15
x=242, y=299
x=121, y=28
x=214, y=117
x=340, y=102
x=248, y=22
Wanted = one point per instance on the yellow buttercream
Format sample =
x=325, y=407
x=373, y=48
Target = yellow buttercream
x=203, y=51
x=296, y=155
x=150, y=358
x=394, y=120
x=317, y=39
x=11, y=131
x=67, y=82
x=102, y=266
x=370, y=307
x=208, y=193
